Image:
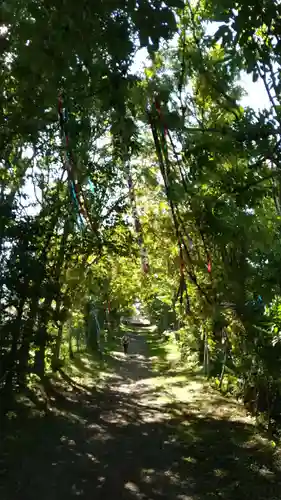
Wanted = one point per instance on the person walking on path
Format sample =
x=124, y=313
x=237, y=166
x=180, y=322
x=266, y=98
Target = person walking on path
x=125, y=343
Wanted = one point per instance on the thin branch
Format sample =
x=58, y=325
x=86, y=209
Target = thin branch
x=111, y=209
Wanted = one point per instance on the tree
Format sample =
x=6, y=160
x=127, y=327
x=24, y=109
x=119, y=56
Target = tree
x=205, y=174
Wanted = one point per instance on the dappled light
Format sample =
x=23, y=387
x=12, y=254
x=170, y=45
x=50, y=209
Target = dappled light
x=139, y=435
x=140, y=250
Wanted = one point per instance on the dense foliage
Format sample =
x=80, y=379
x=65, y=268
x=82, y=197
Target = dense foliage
x=204, y=171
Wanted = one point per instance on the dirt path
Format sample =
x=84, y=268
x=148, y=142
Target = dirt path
x=139, y=436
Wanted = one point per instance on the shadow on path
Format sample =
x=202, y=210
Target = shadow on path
x=125, y=442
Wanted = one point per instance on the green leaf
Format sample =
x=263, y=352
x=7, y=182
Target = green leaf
x=178, y=4
x=221, y=32
x=144, y=40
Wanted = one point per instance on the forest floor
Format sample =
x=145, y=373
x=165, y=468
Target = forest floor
x=135, y=433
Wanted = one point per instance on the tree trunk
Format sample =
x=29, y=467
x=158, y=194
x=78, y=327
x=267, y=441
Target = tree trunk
x=70, y=350
x=42, y=338
x=39, y=363
x=12, y=357
x=27, y=339
x=223, y=364
x=56, y=354
x=206, y=355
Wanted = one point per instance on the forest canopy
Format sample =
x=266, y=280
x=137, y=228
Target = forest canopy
x=154, y=185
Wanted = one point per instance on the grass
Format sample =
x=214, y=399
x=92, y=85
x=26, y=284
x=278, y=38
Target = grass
x=165, y=354
x=93, y=366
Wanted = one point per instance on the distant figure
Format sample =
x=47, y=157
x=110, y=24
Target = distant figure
x=125, y=343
